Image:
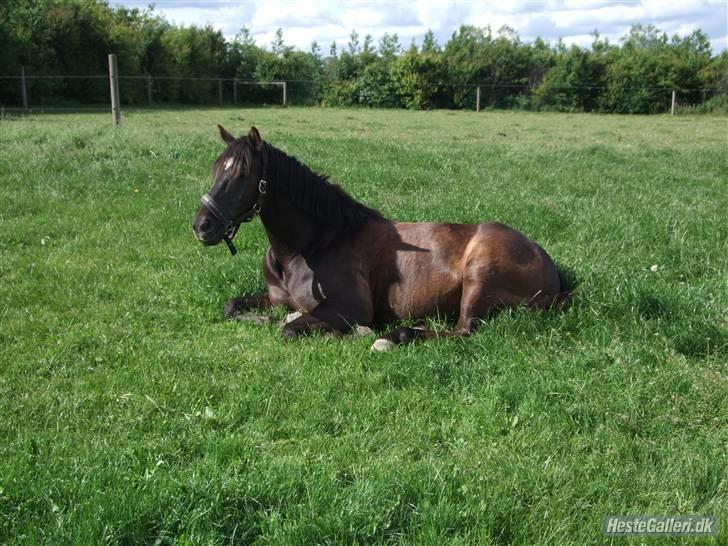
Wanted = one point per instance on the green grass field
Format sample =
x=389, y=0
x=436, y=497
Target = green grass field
x=132, y=413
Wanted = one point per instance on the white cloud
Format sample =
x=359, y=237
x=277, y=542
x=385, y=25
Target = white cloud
x=362, y=17
x=286, y=15
x=328, y=20
x=433, y=14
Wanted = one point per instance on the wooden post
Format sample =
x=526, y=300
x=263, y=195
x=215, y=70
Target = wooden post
x=219, y=91
x=114, y=83
x=23, y=89
x=235, y=91
x=672, y=110
x=477, y=99
x=149, y=89
x=285, y=102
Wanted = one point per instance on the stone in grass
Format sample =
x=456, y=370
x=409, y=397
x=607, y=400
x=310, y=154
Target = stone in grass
x=382, y=345
x=362, y=331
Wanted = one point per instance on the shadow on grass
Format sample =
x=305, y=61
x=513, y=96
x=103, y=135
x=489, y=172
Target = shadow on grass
x=691, y=338
x=568, y=277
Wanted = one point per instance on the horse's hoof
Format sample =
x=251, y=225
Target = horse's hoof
x=233, y=308
x=290, y=317
x=381, y=345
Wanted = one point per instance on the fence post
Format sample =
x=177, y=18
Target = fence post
x=235, y=91
x=672, y=109
x=114, y=83
x=219, y=91
x=149, y=89
x=23, y=89
x=285, y=102
x=477, y=99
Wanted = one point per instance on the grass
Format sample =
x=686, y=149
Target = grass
x=133, y=414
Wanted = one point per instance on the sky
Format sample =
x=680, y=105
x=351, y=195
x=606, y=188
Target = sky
x=327, y=21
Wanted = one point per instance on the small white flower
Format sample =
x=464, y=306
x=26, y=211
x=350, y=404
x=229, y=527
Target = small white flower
x=654, y=268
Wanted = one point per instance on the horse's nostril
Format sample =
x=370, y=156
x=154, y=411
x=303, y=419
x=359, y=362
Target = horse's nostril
x=205, y=224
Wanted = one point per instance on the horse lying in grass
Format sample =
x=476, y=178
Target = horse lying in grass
x=341, y=264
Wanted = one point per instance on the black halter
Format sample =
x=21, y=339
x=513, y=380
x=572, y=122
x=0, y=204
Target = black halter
x=232, y=224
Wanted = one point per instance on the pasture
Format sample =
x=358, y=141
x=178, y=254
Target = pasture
x=132, y=413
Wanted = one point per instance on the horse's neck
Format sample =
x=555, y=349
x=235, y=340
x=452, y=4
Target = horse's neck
x=289, y=231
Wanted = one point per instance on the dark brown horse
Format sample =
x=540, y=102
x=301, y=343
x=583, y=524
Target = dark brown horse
x=341, y=264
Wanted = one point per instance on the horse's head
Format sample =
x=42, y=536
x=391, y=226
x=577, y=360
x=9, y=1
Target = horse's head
x=238, y=190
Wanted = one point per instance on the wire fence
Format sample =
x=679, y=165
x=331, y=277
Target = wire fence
x=48, y=92
x=90, y=92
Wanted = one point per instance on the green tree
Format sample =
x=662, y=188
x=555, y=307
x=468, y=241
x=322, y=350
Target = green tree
x=298, y=68
x=389, y=47
x=243, y=56
x=572, y=84
x=429, y=43
x=376, y=87
x=196, y=52
x=636, y=75
x=419, y=79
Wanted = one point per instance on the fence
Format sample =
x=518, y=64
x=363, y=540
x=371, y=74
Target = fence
x=28, y=90
x=92, y=92
x=31, y=92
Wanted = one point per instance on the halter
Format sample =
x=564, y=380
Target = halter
x=232, y=225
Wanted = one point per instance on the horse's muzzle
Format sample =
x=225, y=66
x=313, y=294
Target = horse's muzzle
x=207, y=232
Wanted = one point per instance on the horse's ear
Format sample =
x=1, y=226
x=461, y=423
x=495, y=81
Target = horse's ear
x=255, y=140
x=227, y=137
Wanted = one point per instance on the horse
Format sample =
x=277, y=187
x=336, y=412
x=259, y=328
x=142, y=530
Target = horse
x=340, y=264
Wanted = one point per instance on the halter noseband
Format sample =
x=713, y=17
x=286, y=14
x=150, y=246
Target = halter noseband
x=232, y=225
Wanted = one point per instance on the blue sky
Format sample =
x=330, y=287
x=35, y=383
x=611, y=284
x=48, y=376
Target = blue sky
x=327, y=21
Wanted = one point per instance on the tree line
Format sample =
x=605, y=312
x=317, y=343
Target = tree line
x=73, y=38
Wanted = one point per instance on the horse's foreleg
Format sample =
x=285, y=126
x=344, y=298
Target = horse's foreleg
x=244, y=307
x=240, y=308
x=324, y=318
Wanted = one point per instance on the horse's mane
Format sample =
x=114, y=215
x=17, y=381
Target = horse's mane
x=314, y=195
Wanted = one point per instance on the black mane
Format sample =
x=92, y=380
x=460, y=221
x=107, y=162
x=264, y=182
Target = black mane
x=314, y=195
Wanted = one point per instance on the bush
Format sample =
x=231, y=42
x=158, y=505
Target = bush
x=714, y=105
